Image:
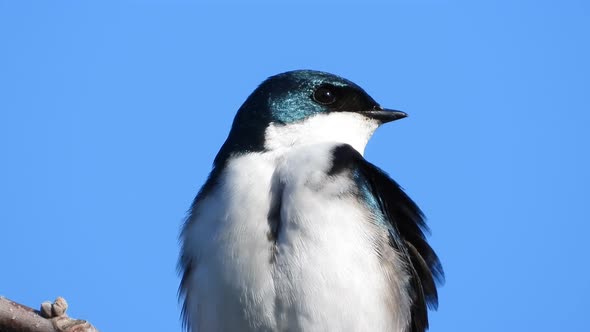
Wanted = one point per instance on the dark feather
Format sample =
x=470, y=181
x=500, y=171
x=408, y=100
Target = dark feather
x=407, y=227
x=186, y=264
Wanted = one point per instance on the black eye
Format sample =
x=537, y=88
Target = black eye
x=324, y=95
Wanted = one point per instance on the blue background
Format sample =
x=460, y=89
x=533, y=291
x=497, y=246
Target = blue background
x=111, y=113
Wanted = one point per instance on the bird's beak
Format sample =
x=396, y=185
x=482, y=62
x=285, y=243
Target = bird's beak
x=384, y=115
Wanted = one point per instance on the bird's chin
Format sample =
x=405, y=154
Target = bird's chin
x=354, y=128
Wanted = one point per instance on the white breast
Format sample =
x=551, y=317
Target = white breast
x=328, y=276
x=325, y=275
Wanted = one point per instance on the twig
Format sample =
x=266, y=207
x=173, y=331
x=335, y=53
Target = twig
x=15, y=317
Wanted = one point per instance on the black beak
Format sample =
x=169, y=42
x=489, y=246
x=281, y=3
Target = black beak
x=384, y=115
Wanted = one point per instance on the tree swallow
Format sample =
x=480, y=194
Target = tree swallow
x=295, y=231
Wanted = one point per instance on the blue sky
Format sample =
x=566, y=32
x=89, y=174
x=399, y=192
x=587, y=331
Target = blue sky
x=111, y=113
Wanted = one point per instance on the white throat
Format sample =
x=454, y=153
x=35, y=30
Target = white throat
x=344, y=127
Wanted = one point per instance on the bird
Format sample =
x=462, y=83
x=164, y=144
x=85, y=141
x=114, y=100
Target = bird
x=294, y=230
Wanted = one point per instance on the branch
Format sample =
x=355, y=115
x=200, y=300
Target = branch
x=15, y=317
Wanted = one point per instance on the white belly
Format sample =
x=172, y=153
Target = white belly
x=321, y=271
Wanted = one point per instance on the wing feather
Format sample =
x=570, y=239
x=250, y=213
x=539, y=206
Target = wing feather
x=407, y=231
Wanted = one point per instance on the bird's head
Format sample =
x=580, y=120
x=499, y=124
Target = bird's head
x=305, y=107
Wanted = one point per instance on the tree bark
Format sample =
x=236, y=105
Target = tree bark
x=15, y=317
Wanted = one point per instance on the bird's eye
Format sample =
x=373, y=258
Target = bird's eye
x=324, y=95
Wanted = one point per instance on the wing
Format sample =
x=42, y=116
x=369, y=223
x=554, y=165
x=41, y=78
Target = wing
x=186, y=263
x=406, y=226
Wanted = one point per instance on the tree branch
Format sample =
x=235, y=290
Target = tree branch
x=15, y=317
